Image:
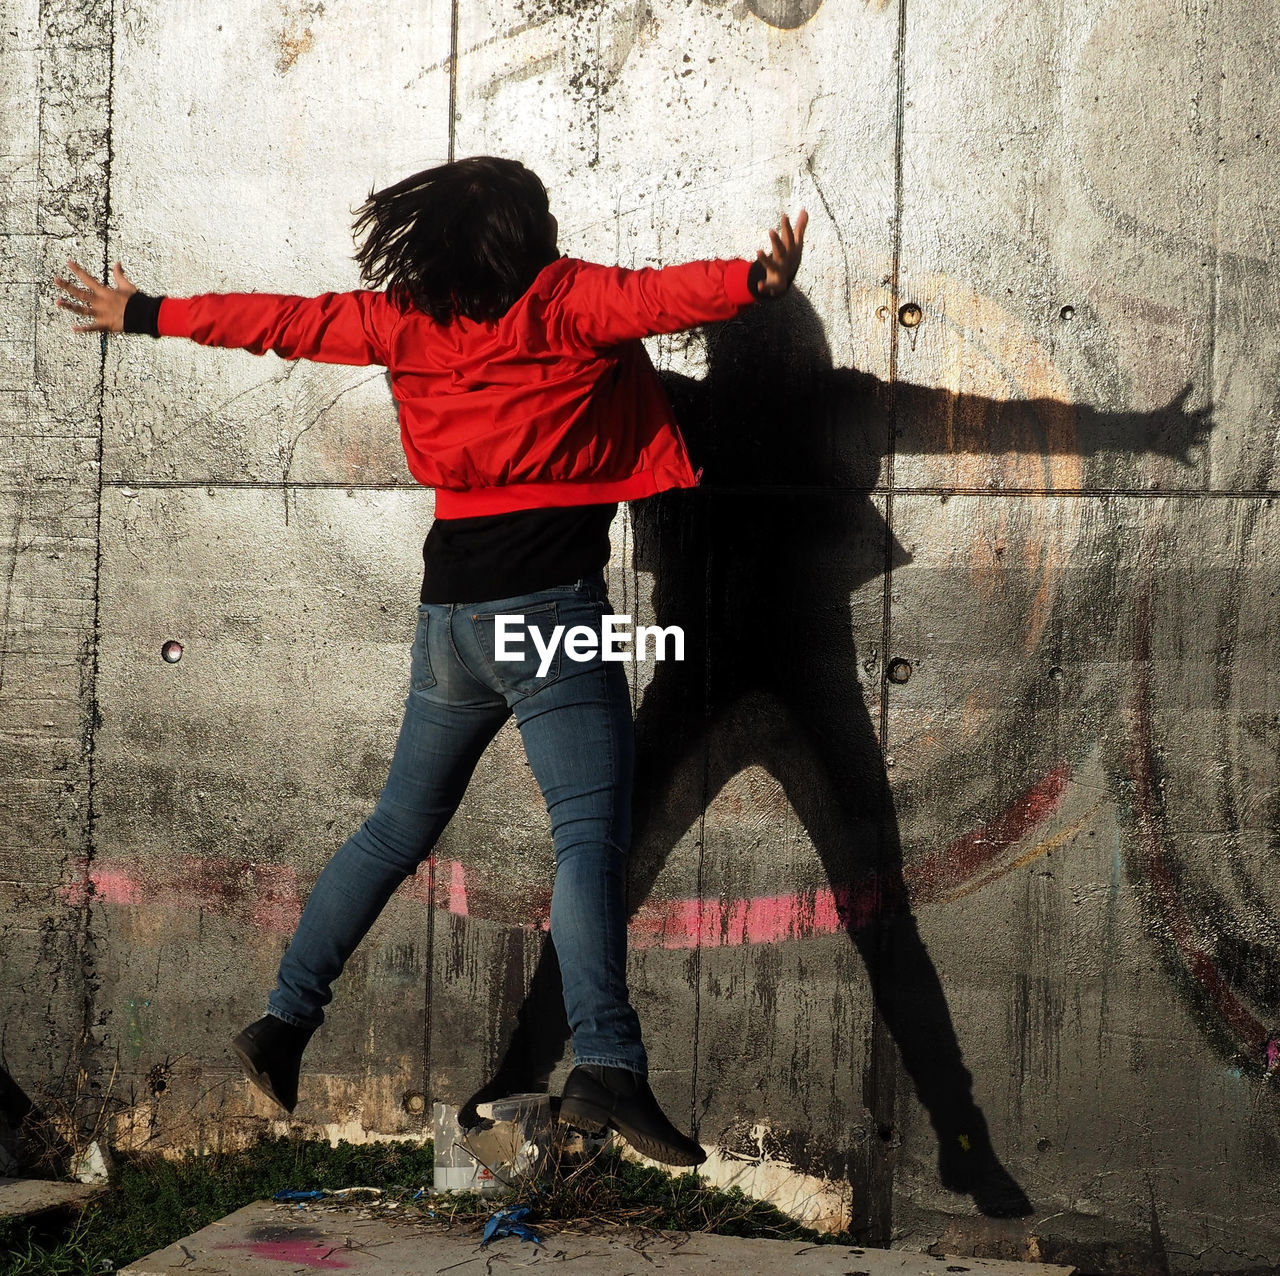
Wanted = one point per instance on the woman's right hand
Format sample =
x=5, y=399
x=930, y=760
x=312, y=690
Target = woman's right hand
x=102, y=305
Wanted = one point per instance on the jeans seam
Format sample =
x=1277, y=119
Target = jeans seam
x=292, y=1020
x=622, y=995
x=453, y=643
x=424, y=618
x=599, y=1061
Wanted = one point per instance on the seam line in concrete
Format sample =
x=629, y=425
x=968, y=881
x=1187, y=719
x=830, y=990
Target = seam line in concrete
x=453, y=77
x=780, y=489
x=90, y=736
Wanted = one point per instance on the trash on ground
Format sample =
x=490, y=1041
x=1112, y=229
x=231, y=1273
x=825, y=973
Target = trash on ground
x=319, y=1193
x=507, y=1223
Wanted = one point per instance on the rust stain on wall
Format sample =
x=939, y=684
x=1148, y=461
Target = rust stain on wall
x=296, y=37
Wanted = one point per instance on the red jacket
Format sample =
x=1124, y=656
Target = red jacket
x=556, y=403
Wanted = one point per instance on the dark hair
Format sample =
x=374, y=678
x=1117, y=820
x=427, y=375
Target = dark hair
x=466, y=238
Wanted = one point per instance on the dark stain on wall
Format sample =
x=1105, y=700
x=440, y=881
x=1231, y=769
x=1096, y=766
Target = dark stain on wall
x=786, y=14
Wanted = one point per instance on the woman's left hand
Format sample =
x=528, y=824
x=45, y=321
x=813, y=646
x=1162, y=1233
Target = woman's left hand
x=102, y=305
x=781, y=264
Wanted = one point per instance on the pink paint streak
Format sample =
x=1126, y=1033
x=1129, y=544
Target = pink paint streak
x=457, y=889
x=112, y=885
x=265, y=895
x=692, y=923
x=268, y=896
x=309, y=1253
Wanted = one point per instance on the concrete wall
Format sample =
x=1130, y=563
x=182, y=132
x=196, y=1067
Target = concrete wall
x=1054, y=496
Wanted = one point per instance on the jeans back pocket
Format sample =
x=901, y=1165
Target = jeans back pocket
x=522, y=647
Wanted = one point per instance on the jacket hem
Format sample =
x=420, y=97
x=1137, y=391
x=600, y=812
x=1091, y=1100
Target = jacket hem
x=529, y=496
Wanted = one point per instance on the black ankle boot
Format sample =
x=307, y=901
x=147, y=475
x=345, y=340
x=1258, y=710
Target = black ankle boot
x=596, y=1098
x=270, y=1051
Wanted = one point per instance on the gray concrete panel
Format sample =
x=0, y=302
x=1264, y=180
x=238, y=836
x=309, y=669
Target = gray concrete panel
x=226, y=789
x=53, y=87
x=1102, y=878
x=792, y=806
x=1092, y=246
x=667, y=133
x=296, y=112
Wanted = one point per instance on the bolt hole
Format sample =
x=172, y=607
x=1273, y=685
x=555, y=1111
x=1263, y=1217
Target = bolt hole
x=910, y=315
x=1056, y=674
x=171, y=652
x=899, y=670
x=1067, y=314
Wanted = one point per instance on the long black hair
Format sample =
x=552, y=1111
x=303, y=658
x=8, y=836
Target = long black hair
x=465, y=238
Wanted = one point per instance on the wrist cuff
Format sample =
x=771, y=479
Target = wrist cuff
x=142, y=314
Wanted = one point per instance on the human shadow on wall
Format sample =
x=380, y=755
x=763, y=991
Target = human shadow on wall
x=758, y=566
x=29, y=1139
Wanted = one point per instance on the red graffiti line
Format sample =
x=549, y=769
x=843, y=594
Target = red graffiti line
x=291, y=1249
x=699, y=923
x=268, y=897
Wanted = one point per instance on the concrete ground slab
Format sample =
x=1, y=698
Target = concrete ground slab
x=266, y=1239
x=19, y=1197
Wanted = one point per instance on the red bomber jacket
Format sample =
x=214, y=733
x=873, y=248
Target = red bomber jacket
x=556, y=403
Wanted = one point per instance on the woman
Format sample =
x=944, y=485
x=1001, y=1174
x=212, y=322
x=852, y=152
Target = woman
x=528, y=402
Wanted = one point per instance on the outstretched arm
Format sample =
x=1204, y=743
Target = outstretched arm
x=335, y=327
x=607, y=305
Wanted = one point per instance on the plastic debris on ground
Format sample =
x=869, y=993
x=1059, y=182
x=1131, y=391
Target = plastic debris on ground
x=319, y=1193
x=507, y=1223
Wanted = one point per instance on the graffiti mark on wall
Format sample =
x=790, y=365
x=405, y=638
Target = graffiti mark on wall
x=270, y=897
x=1215, y=928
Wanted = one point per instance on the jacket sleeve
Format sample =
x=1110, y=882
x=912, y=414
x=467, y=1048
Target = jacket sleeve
x=606, y=305
x=337, y=327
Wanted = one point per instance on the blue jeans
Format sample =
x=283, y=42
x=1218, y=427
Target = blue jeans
x=575, y=721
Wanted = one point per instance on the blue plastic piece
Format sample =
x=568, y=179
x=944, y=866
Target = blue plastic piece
x=507, y=1223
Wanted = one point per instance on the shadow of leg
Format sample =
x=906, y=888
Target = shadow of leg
x=847, y=806
x=537, y=1041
